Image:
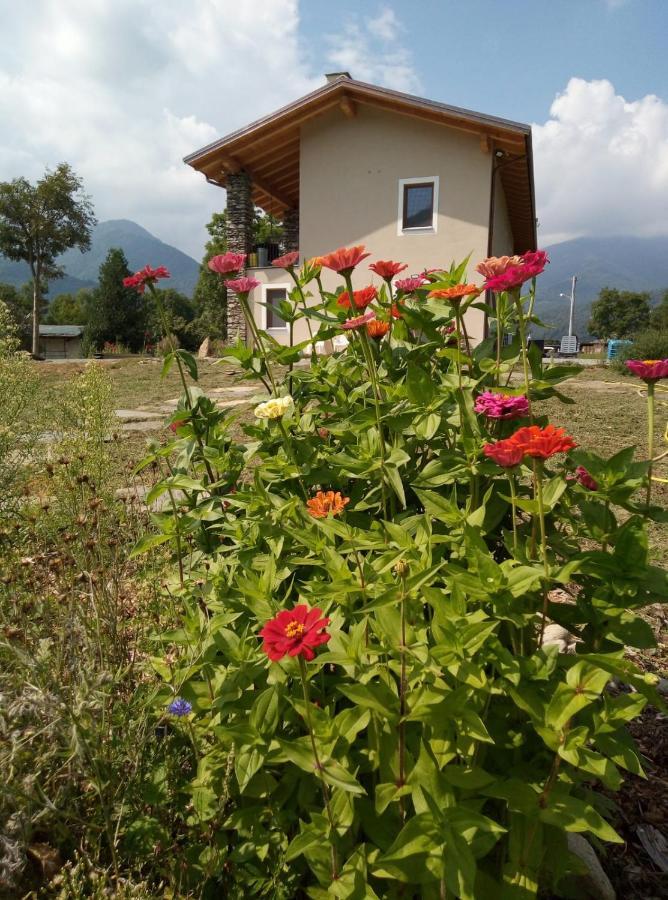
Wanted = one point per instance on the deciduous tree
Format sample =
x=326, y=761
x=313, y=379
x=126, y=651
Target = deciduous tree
x=619, y=314
x=40, y=221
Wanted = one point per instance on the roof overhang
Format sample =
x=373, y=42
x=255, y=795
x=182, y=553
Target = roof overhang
x=268, y=149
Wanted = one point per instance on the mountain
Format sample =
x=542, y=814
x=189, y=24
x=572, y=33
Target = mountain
x=628, y=263
x=138, y=244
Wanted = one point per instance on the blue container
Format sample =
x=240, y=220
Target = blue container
x=615, y=346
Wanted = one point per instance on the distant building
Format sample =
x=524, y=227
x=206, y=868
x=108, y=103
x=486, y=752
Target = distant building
x=60, y=341
x=416, y=181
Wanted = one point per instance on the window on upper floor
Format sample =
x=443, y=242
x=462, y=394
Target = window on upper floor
x=418, y=205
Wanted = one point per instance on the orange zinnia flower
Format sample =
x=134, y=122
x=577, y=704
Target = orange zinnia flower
x=387, y=269
x=456, y=292
x=326, y=502
x=361, y=298
x=344, y=259
x=542, y=443
x=377, y=328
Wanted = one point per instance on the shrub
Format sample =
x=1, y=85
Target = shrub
x=650, y=344
x=362, y=673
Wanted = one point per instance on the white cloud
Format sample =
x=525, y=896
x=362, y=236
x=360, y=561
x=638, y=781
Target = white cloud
x=123, y=89
x=371, y=50
x=602, y=164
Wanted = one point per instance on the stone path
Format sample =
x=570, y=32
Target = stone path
x=152, y=417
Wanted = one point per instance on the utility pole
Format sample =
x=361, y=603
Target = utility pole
x=572, y=309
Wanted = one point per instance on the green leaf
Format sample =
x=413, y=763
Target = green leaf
x=573, y=814
x=148, y=542
x=419, y=385
x=377, y=697
x=338, y=776
x=247, y=761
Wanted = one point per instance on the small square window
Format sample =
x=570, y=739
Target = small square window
x=418, y=205
x=273, y=297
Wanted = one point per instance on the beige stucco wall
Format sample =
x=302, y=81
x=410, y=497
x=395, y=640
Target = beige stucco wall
x=349, y=188
x=269, y=276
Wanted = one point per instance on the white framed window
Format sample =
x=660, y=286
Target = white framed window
x=418, y=205
x=270, y=319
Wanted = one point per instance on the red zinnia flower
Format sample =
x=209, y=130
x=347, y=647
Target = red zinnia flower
x=344, y=259
x=395, y=310
x=377, y=329
x=145, y=276
x=358, y=321
x=542, y=443
x=648, y=369
x=361, y=298
x=288, y=261
x=504, y=453
x=295, y=632
x=456, y=292
x=227, y=263
x=387, y=269
x=243, y=285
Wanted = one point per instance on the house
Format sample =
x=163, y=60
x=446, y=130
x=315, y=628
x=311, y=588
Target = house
x=416, y=181
x=60, y=341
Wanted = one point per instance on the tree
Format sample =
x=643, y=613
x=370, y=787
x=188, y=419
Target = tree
x=210, y=295
x=117, y=313
x=619, y=314
x=179, y=311
x=39, y=222
x=659, y=317
x=70, y=309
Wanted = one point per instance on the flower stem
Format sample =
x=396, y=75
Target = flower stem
x=538, y=487
x=319, y=768
x=243, y=302
x=650, y=438
x=524, y=352
x=290, y=451
x=402, y=696
x=513, y=503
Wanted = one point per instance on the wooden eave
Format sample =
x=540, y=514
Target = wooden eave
x=268, y=149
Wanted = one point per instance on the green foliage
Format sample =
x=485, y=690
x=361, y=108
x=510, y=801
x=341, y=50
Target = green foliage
x=659, y=314
x=117, y=314
x=210, y=296
x=39, y=222
x=619, y=314
x=70, y=309
x=434, y=746
x=179, y=314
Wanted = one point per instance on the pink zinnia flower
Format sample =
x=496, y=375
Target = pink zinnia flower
x=497, y=265
x=358, y=321
x=146, y=276
x=227, y=263
x=243, y=285
x=387, y=269
x=288, y=261
x=344, y=259
x=532, y=264
x=501, y=406
x=648, y=369
x=585, y=479
x=408, y=285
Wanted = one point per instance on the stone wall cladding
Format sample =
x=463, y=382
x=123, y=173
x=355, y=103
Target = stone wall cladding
x=239, y=240
x=290, y=241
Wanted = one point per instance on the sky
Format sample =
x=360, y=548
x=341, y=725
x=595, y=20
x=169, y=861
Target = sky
x=124, y=89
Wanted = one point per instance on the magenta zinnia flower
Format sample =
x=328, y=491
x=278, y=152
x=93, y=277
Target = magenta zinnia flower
x=145, y=276
x=243, y=285
x=501, y=406
x=532, y=264
x=585, y=479
x=648, y=369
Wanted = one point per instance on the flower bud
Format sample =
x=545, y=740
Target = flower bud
x=401, y=568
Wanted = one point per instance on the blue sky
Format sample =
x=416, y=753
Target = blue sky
x=124, y=89
x=511, y=57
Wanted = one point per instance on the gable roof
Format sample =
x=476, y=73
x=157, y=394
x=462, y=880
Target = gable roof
x=60, y=330
x=268, y=149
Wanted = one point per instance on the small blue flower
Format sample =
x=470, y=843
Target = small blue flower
x=179, y=707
